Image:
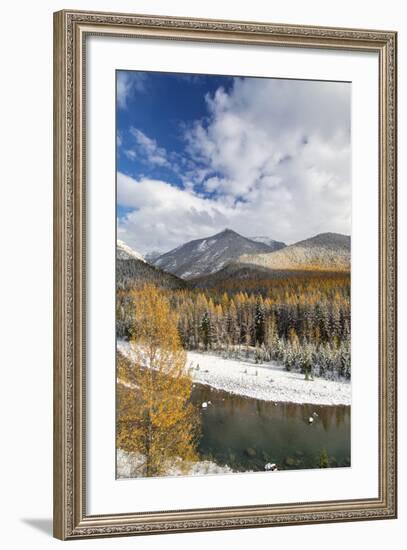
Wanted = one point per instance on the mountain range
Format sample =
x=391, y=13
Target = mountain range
x=230, y=255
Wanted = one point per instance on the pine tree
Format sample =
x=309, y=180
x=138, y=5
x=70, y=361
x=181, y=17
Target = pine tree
x=233, y=326
x=206, y=330
x=307, y=361
x=323, y=459
x=259, y=322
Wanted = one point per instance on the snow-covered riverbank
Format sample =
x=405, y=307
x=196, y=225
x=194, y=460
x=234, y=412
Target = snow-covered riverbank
x=128, y=465
x=269, y=381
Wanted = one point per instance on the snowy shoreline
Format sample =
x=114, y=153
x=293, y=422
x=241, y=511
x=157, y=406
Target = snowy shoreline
x=267, y=382
x=127, y=465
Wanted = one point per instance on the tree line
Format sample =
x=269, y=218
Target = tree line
x=303, y=322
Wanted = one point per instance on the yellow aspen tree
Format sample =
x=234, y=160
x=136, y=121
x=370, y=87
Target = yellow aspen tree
x=156, y=418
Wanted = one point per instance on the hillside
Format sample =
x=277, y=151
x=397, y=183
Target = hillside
x=124, y=252
x=134, y=273
x=204, y=256
x=233, y=271
x=326, y=251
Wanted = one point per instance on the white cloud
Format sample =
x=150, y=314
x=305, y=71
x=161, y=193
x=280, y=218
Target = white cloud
x=129, y=82
x=275, y=156
x=164, y=216
x=147, y=149
x=281, y=138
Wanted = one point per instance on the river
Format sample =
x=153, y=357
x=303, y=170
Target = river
x=247, y=433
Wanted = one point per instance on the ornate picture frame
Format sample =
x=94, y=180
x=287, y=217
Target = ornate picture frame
x=71, y=31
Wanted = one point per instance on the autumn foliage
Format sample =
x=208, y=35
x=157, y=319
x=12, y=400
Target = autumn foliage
x=155, y=417
x=301, y=319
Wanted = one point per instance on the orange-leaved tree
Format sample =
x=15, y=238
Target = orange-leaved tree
x=155, y=416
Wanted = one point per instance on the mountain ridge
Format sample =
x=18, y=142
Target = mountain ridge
x=208, y=255
x=275, y=245
x=133, y=273
x=328, y=251
x=125, y=252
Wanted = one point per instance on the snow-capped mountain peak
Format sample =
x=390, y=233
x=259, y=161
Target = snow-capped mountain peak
x=124, y=252
x=208, y=255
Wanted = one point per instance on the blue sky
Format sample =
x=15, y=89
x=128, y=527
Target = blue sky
x=161, y=106
x=198, y=153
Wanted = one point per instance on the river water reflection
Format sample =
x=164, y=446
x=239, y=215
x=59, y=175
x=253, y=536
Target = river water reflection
x=246, y=434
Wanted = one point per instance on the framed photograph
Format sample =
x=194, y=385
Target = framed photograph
x=225, y=274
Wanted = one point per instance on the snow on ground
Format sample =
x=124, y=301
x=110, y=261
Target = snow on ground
x=127, y=464
x=268, y=381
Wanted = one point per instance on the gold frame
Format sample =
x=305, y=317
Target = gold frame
x=70, y=31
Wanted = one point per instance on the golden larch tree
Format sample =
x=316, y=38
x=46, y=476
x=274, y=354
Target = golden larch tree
x=156, y=418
